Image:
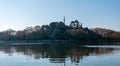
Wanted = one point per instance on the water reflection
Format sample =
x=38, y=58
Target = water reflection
x=57, y=53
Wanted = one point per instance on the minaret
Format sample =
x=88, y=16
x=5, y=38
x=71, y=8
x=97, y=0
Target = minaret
x=64, y=19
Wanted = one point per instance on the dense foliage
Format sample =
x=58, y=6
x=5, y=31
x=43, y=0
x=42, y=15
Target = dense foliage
x=59, y=31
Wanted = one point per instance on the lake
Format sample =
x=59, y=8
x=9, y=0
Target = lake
x=59, y=55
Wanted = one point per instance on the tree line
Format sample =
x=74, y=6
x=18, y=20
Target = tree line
x=59, y=31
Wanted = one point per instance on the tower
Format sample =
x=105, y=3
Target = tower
x=64, y=19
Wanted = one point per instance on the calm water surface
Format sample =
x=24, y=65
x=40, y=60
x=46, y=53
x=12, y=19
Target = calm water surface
x=59, y=55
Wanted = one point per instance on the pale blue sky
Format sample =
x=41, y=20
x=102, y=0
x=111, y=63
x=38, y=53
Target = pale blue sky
x=18, y=14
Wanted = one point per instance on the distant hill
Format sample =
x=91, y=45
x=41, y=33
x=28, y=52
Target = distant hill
x=107, y=33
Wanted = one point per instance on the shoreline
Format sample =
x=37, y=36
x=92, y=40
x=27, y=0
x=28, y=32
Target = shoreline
x=75, y=42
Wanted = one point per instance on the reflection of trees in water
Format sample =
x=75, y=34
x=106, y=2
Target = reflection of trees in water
x=56, y=52
x=77, y=53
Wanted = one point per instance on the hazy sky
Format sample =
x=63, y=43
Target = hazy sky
x=18, y=14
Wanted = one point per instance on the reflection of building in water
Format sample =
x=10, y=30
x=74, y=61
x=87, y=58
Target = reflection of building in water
x=57, y=60
x=76, y=54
